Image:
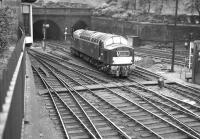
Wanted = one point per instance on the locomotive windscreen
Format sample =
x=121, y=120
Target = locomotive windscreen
x=115, y=40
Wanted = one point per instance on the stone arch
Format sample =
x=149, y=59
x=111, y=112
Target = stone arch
x=52, y=33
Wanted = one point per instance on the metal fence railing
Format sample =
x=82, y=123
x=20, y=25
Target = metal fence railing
x=12, y=94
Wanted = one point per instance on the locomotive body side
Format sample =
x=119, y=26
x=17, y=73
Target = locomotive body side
x=89, y=49
x=98, y=48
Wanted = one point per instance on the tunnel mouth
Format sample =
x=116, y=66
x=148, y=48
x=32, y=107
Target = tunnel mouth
x=52, y=32
x=79, y=25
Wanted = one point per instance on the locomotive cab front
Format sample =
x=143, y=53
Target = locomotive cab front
x=118, y=56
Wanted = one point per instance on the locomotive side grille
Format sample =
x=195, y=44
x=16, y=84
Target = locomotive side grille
x=123, y=53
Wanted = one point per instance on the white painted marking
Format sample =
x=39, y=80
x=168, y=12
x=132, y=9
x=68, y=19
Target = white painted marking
x=122, y=60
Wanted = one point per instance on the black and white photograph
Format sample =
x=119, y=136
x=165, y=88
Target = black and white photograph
x=99, y=69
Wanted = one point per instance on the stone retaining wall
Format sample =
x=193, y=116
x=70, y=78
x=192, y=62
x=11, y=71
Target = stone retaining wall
x=147, y=31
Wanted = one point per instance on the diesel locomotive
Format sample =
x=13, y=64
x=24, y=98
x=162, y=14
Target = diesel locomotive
x=109, y=52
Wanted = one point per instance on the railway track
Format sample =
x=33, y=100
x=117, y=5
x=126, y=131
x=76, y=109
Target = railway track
x=138, y=73
x=124, y=111
x=145, y=74
x=172, y=111
x=69, y=67
x=163, y=55
x=172, y=105
x=126, y=108
x=71, y=125
x=106, y=132
x=155, y=53
x=189, y=92
x=59, y=46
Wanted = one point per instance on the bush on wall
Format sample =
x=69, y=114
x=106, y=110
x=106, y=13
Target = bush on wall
x=8, y=23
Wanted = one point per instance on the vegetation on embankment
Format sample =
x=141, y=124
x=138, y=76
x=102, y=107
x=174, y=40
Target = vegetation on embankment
x=154, y=11
x=8, y=36
x=8, y=27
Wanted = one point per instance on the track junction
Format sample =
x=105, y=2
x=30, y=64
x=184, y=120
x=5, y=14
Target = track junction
x=86, y=103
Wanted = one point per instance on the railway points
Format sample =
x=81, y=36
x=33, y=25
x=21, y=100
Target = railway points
x=96, y=86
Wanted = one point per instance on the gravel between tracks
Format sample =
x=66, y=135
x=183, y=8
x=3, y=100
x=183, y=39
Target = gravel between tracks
x=38, y=124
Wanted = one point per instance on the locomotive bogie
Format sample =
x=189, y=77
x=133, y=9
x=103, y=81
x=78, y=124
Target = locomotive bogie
x=122, y=71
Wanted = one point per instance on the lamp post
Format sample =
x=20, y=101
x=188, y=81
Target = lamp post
x=174, y=38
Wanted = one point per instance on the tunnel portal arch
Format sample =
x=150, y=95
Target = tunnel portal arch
x=52, y=33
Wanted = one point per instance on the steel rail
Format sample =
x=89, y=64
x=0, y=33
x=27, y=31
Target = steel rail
x=171, y=107
x=148, y=75
x=40, y=68
x=98, y=135
x=154, y=115
x=167, y=52
x=190, y=105
x=136, y=121
x=185, y=103
x=84, y=126
x=135, y=73
x=70, y=68
x=142, y=87
x=148, y=72
x=64, y=84
x=50, y=56
x=122, y=112
x=152, y=102
x=193, y=91
x=146, y=78
x=159, y=53
x=170, y=123
x=114, y=106
x=181, y=63
x=61, y=120
x=117, y=109
x=40, y=59
x=78, y=119
x=123, y=134
x=188, y=128
x=184, y=93
x=70, y=89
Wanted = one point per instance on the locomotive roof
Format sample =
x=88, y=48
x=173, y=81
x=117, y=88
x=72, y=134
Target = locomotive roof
x=113, y=46
x=97, y=37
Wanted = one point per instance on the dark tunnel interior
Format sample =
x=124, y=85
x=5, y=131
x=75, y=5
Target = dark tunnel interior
x=52, y=33
x=79, y=25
